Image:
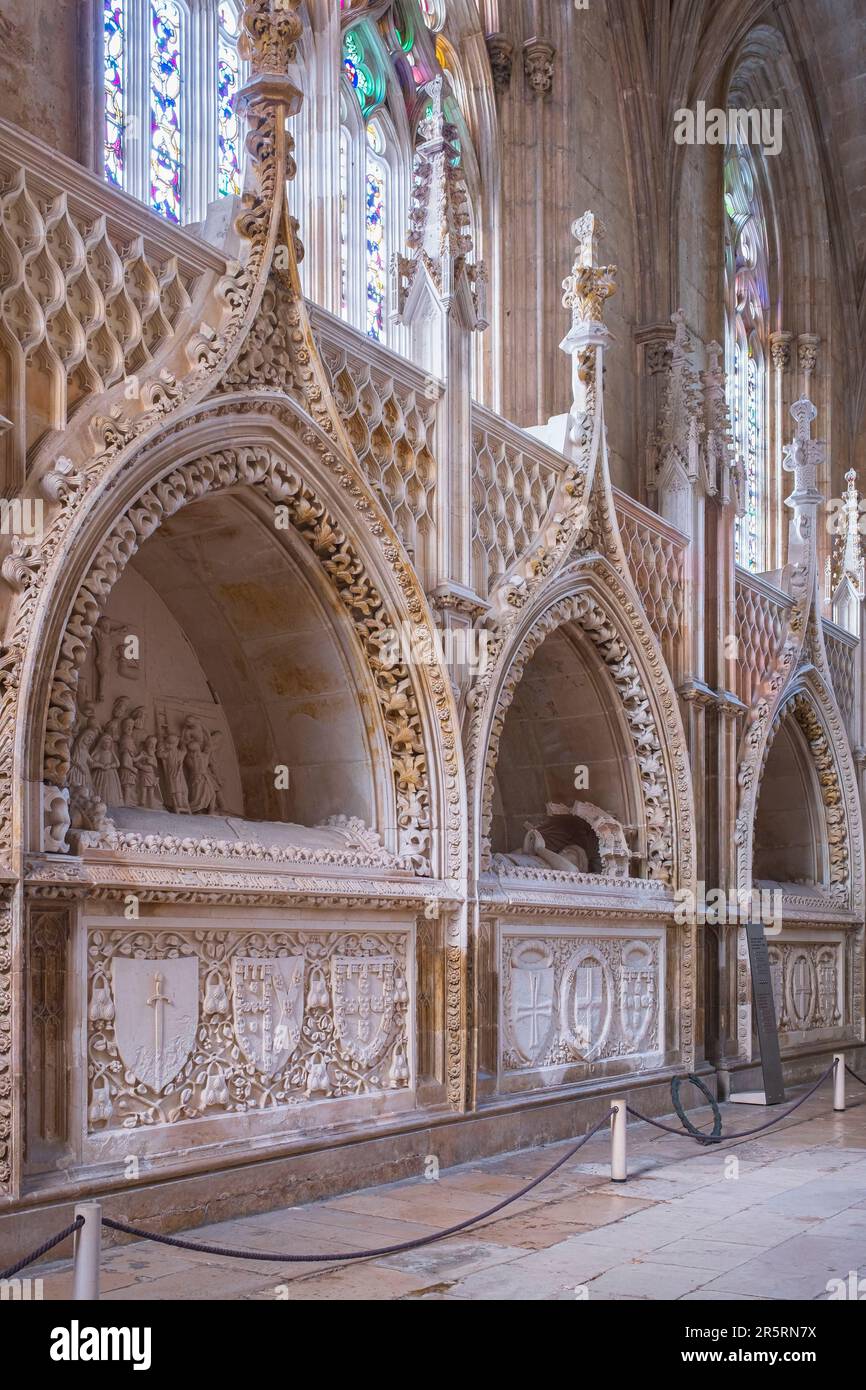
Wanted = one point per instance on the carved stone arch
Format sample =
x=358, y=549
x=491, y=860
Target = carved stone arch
x=811, y=703
x=358, y=555
x=595, y=599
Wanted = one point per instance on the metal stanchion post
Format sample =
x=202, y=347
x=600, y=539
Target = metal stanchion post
x=618, y=1117
x=88, y=1243
x=839, y=1081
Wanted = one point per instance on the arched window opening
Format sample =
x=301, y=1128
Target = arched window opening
x=171, y=75
x=114, y=89
x=376, y=194
x=228, y=82
x=746, y=302
x=386, y=68
x=167, y=133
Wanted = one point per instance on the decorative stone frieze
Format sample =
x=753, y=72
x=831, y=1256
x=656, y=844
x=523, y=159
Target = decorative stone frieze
x=186, y=1024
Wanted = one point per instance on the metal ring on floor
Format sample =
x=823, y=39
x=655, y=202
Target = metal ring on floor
x=698, y=1134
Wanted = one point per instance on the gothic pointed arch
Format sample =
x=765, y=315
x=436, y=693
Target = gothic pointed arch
x=287, y=470
x=809, y=719
x=594, y=599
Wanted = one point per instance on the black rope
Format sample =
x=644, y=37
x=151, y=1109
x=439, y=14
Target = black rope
x=43, y=1249
x=741, y=1134
x=276, y=1258
x=853, y=1073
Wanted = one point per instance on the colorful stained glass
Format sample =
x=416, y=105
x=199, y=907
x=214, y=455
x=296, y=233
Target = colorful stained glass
x=746, y=297
x=376, y=256
x=747, y=423
x=113, y=62
x=368, y=89
x=228, y=81
x=166, y=148
x=344, y=220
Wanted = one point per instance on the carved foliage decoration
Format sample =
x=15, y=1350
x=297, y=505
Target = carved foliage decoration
x=190, y=1024
x=831, y=795
x=321, y=532
x=6, y=1081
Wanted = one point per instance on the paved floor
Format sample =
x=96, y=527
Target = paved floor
x=776, y=1217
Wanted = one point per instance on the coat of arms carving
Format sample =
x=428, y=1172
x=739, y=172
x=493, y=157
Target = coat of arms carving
x=268, y=1000
x=531, y=1000
x=363, y=990
x=156, y=1015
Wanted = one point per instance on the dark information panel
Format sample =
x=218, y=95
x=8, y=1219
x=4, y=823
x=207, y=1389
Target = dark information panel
x=765, y=1014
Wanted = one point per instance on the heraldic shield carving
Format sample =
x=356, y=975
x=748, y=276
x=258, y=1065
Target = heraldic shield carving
x=585, y=1002
x=531, y=1014
x=156, y=1015
x=638, y=990
x=363, y=989
x=268, y=998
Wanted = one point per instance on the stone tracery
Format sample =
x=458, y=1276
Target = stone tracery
x=595, y=978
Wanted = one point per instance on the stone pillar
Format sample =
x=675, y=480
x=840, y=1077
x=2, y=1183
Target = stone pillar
x=538, y=56
x=654, y=343
x=781, y=398
x=439, y=298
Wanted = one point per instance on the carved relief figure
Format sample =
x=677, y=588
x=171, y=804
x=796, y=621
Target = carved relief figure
x=127, y=753
x=202, y=783
x=171, y=757
x=105, y=763
x=148, y=775
x=581, y=838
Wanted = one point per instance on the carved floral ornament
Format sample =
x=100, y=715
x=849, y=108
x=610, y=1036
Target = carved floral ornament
x=618, y=657
x=264, y=469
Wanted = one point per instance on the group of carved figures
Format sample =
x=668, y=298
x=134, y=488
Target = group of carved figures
x=113, y=764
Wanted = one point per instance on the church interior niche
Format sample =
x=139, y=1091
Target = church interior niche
x=566, y=796
x=222, y=684
x=790, y=835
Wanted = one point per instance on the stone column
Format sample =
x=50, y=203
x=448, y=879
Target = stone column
x=538, y=56
x=781, y=399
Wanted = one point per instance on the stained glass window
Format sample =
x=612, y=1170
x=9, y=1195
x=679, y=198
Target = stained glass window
x=344, y=220
x=228, y=81
x=114, y=57
x=746, y=300
x=376, y=186
x=166, y=151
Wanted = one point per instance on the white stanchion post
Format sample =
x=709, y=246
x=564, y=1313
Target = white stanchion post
x=88, y=1246
x=618, y=1117
x=839, y=1081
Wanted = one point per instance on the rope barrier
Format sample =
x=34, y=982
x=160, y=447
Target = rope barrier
x=276, y=1258
x=88, y=1273
x=43, y=1249
x=742, y=1134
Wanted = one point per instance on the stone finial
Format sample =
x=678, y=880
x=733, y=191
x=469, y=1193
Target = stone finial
x=439, y=223
x=538, y=56
x=588, y=231
x=846, y=579
x=852, y=554
x=589, y=284
x=269, y=35
x=803, y=456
